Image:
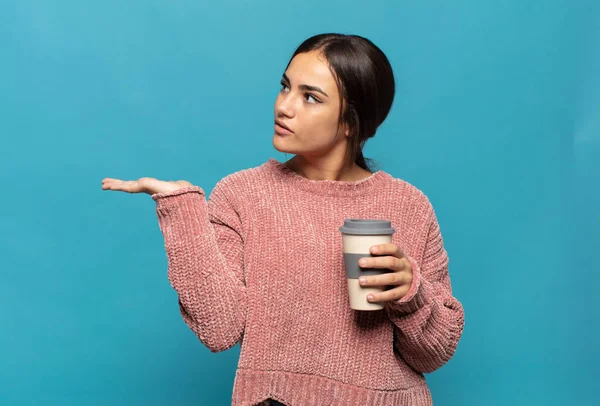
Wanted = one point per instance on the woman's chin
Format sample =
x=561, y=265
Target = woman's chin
x=279, y=145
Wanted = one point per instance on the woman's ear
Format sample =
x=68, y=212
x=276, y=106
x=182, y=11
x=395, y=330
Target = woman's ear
x=346, y=128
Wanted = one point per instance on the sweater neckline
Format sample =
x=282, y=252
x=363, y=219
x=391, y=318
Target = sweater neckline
x=326, y=186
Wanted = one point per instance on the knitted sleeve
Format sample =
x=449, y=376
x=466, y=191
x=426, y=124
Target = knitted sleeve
x=428, y=320
x=204, y=246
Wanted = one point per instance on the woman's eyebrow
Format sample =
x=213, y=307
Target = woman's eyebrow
x=306, y=87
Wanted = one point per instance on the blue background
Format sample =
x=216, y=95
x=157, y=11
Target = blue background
x=497, y=120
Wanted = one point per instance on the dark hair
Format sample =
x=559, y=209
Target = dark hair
x=365, y=82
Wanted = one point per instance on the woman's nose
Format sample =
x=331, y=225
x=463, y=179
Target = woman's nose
x=285, y=106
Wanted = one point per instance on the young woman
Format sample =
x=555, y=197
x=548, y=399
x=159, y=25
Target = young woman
x=260, y=262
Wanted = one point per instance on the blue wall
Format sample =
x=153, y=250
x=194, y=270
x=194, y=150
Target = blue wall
x=497, y=120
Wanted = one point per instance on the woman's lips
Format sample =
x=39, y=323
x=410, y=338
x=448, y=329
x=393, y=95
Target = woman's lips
x=282, y=130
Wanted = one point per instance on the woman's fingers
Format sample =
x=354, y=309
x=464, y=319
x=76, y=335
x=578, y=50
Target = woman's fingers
x=109, y=183
x=122, y=185
x=131, y=186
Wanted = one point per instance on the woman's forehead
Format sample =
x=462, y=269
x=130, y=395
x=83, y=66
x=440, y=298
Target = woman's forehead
x=311, y=68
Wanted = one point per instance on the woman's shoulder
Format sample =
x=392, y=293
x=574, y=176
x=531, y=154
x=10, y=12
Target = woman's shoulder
x=408, y=190
x=244, y=177
x=413, y=199
x=239, y=183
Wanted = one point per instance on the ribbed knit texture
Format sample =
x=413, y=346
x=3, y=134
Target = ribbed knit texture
x=260, y=261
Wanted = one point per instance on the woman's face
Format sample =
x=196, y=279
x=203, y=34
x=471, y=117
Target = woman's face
x=308, y=104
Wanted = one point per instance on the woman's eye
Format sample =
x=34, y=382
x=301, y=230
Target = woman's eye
x=310, y=96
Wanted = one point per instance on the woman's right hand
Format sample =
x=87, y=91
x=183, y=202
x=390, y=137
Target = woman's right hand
x=143, y=185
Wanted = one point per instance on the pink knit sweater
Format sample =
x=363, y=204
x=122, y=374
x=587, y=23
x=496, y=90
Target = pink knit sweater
x=261, y=263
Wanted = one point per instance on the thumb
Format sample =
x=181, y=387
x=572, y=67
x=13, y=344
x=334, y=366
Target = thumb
x=183, y=183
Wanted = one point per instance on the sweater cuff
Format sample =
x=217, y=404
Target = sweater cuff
x=414, y=299
x=187, y=189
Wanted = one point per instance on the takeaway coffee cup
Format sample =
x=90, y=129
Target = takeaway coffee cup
x=358, y=236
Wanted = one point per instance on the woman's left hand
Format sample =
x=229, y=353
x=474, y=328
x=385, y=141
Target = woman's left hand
x=389, y=256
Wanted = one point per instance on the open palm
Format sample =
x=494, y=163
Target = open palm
x=143, y=185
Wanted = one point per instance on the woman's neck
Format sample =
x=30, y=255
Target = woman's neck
x=326, y=170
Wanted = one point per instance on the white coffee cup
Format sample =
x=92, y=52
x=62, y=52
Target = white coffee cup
x=358, y=236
